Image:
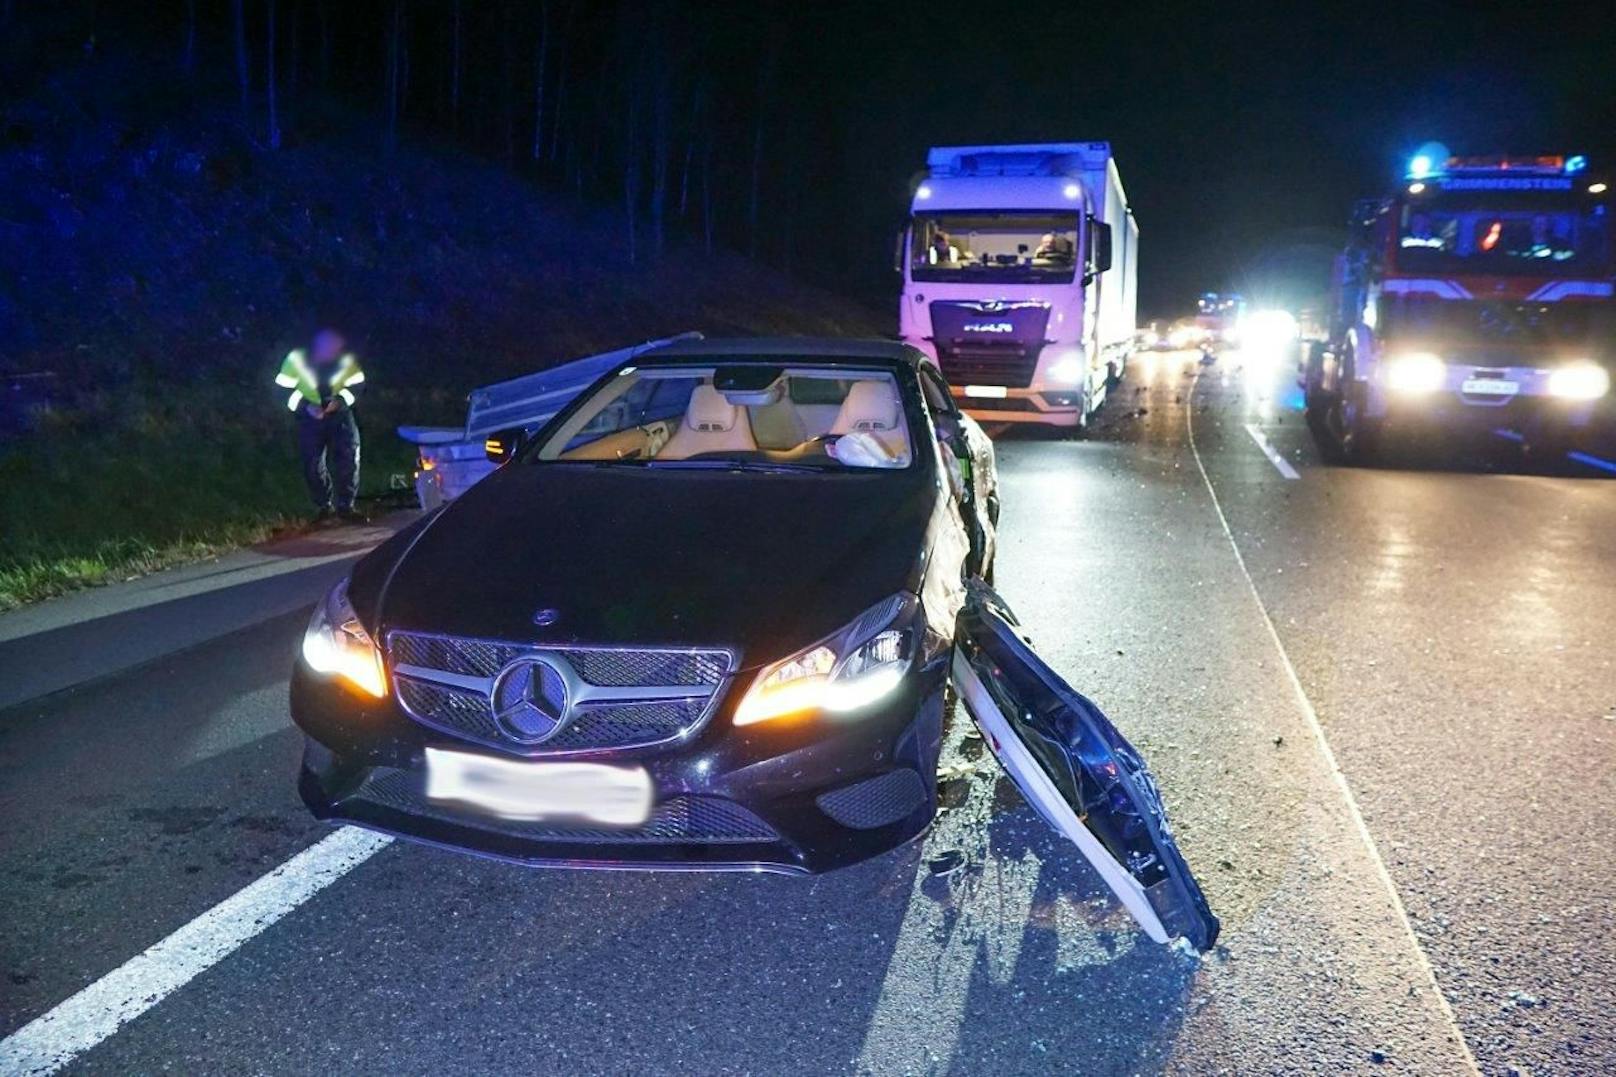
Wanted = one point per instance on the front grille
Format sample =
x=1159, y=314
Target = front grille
x=875, y=802
x=676, y=821
x=616, y=697
x=1009, y=364
x=469, y=657
x=621, y=668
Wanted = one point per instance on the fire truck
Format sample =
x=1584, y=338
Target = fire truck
x=1477, y=297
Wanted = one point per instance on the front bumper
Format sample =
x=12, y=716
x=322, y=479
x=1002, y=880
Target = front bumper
x=1527, y=413
x=798, y=795
x=1062, y=407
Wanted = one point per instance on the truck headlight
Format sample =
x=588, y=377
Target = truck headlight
x=1067, y=369
x=850, y=669
x=1416, y=372
x=1582, y=380
x=338, y=645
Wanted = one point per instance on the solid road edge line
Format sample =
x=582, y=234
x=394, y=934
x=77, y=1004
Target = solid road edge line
x=1310, y=715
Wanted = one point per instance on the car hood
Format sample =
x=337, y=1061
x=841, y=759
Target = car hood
x=762, y=563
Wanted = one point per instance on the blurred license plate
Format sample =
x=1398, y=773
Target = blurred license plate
x=514, y=789
x=997, y=392
x=1490, y=387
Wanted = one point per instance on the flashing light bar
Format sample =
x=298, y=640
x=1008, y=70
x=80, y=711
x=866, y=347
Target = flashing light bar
x=1431, y=162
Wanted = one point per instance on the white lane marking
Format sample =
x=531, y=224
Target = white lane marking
x=1311, y=717
x=1279, y=462
x=52, y=1040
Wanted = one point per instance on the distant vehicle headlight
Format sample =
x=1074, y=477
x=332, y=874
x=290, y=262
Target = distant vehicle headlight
x=338, y=645
x=1181, y=338
x=1582, y=380
x=1417, y=372
x=852, y=668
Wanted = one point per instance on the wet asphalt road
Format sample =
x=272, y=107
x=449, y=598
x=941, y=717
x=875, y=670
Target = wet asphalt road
x=1441, y=632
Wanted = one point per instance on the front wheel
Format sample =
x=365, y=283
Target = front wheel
x=1344, y=433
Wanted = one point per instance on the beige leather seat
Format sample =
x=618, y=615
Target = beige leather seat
x=872, y=407
x=711, y=424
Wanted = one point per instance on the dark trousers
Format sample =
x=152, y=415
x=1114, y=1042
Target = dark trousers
x=329, y=449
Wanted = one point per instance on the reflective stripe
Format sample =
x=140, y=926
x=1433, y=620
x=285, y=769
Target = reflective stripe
x=285, y=381
x=359, y=376
x=347, y=396
x=294, y=400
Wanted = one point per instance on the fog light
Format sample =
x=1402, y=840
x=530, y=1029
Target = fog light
x=1580, y=381
x=1420, y=372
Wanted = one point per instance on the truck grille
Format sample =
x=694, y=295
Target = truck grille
x=612, y=698
x=989, y=342
x=987, y=364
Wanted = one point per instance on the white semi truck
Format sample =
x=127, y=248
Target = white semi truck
x=1020, y=277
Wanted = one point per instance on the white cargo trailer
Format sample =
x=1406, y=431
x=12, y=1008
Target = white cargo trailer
x=1020, y=275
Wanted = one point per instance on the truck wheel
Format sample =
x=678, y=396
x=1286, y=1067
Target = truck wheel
x=1363, y=444
x=1344, y=434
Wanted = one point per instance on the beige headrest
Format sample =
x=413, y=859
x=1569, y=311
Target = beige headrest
x=709, y=411
x=870, y=405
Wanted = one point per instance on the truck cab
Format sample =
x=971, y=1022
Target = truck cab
x=1018, y=267
x=1478, y=296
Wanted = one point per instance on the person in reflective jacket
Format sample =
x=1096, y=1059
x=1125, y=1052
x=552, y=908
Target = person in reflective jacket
x=324, y=382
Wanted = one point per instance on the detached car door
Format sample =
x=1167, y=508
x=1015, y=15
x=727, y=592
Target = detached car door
x=1077, y=771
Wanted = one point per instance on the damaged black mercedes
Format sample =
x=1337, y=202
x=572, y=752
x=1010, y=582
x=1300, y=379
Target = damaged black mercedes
x=705, y=617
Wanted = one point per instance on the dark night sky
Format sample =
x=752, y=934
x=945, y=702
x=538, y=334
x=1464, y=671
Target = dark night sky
x=1242, y=132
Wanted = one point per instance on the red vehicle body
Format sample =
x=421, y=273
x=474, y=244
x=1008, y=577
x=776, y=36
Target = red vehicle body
x=1477, y=297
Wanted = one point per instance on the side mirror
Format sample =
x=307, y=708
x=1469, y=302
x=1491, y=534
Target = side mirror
x=1100, y=247
x=900, y=247
x=502, y=445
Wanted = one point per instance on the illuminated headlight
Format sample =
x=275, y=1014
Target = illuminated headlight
x=1420, y=372
x=336, y=644
x=1067, y=369
x=857, y=666
x=1580, y=381
x=1181, y=338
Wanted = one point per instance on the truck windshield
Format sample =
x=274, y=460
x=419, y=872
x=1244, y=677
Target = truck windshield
x=1503, y=234
x=998, y=247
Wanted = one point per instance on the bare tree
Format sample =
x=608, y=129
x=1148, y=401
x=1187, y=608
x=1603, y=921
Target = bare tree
x=188, y=56
x=764, y=86
x=561, y=81
x=454, y=70
x=240, y=15
x=631, y=169
x=269, y=74
x=508, y=67
x=692, y=136
x=395, y=49
x=659, y=71
x=538, y=81
x=325, y=44
x=707, y=192
x=293, y=69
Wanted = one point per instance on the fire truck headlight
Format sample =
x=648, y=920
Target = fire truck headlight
x=1418, y=372
x=1582, y=380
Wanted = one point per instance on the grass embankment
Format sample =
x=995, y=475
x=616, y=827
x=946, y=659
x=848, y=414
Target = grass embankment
x=156, y=263
x=109, y=492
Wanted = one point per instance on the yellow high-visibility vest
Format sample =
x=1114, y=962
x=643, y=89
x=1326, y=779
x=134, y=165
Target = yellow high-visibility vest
x=297, y=376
